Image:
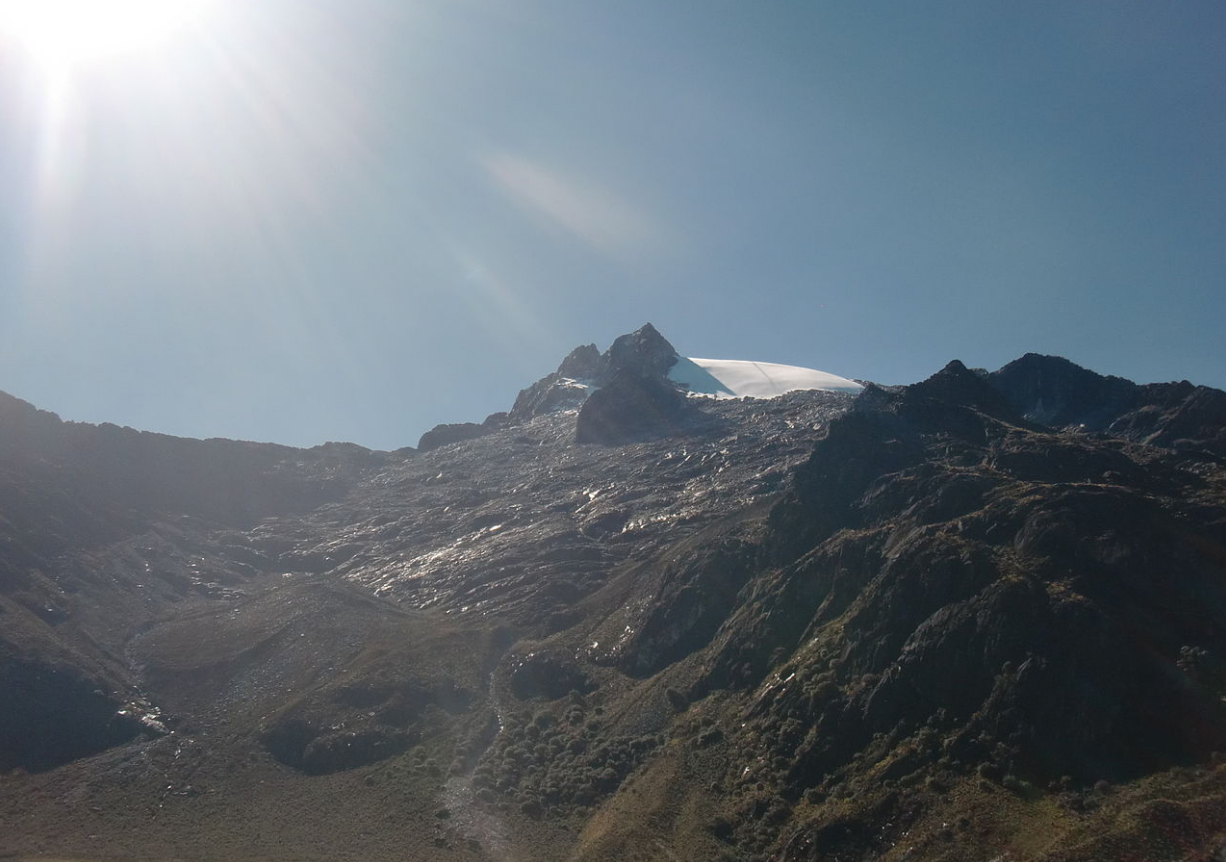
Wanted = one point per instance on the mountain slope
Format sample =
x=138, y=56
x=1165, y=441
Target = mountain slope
x=942, y=621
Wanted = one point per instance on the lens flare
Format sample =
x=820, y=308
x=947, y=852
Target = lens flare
x=64, y=33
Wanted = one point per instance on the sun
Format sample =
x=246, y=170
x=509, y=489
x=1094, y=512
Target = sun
x=64, y=33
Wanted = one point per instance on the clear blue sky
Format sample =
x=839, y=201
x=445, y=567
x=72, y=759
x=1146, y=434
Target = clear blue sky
x=308, y=221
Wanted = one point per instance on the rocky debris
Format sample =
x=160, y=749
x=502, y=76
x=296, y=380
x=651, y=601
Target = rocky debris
x=550, y=394
x=1178, y=415
x=524, y=524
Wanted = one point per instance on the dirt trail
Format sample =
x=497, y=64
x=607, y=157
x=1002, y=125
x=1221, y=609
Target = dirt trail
x=471, y=818
x=474, y=821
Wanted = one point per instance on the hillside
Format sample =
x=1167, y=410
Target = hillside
x=978, y=617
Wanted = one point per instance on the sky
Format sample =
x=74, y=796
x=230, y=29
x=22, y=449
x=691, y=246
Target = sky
x=309, y=220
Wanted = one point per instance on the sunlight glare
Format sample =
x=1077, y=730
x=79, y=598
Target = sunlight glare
x=64, y=33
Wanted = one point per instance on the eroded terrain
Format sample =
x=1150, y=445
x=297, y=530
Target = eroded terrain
x=922, y=624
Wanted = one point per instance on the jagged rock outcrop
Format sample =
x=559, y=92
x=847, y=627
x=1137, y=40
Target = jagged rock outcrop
x=644, y=352
x=644, y=355
x=582, y=363
x=551, y=393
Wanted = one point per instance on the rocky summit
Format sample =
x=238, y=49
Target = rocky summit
x=980, y=617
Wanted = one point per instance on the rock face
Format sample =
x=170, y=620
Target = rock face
x=1057, y=393
x=929, y=621
x=644, y=352
x=633, y=399
x=442, y=435
x=582, y=363
x=638, y=360
x=631, y=408
x=989, y=577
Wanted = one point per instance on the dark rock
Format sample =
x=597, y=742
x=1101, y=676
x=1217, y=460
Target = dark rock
x=631, y=408
x=1053, y=391
x=1195, y=421
x=955, y=384
x=644, y=352
x=1058, y=393
x=548, y=395
x=442, y=435
x=54, y=713
x=582, y=363
x=695, y=597
x=857, y=449
x=1052, y=458
x=949, y=539
x=104, y=468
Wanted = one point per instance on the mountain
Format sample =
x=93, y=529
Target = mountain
x=982, y=616
x=645, y=357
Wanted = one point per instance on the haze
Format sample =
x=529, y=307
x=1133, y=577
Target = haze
x=351, y=221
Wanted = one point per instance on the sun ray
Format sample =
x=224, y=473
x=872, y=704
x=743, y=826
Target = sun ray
x=61, y=34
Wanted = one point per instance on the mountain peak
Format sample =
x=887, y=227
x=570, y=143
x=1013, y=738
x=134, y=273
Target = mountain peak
x=647, y=354
x=957, y=384
x=1055, y=391
x=644, y=351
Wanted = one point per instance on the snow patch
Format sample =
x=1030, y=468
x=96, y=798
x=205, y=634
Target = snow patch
x=737, y=378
